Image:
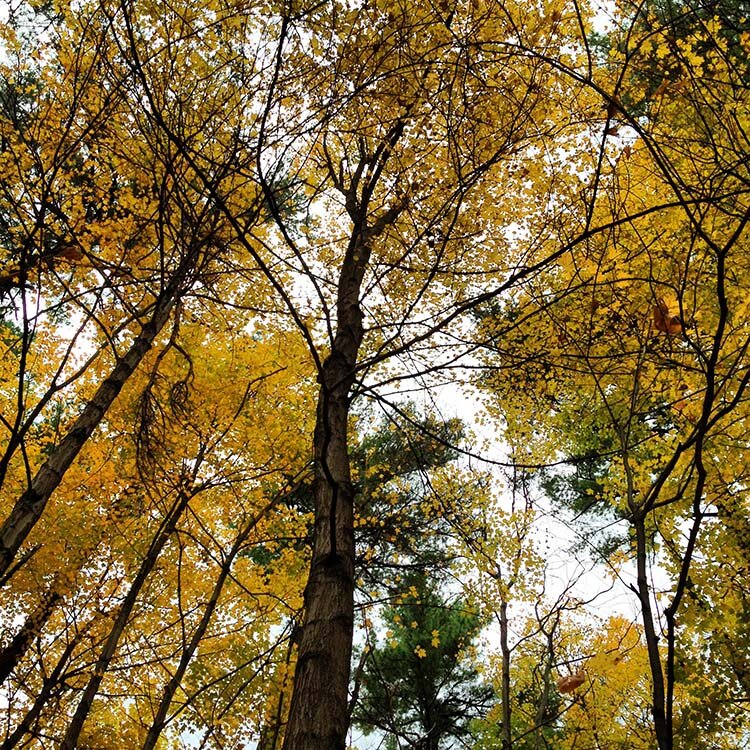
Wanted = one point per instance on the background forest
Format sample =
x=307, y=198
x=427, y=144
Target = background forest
x=373, y=374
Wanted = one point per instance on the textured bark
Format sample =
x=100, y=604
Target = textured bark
x=319, y=715
x=319, y=707
x=30, y=506
x=319, y=711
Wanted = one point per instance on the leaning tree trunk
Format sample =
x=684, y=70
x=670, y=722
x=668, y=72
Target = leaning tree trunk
x=16, y=649
x=165, y=531
x=188, y=651
x=31, y=504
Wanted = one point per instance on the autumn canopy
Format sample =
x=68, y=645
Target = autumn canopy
x=373, y=373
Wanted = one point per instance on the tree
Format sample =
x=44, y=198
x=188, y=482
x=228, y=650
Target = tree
x=104, y=232
x=400, y=156
x=420, y=688
x=388, y=187
x=604, y=697
x=133, y=616
x=414, y=503
x=640, y=363
x=130, y=395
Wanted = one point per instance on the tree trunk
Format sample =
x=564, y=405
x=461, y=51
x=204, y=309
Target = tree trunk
x=318, y=713
x=30, y=506
x=663, y=736
x=70, y=741
x=55, y=678
x=318, y=716
x=507, y=738
x=32, y=626
x=160, y=717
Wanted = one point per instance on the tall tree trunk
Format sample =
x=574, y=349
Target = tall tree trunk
x=318, y=716
x=663, y=736
x=318, y=713
x=507, y=738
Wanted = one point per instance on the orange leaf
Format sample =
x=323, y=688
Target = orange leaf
x=571, y=682
x=664, y=321
x=70, y=252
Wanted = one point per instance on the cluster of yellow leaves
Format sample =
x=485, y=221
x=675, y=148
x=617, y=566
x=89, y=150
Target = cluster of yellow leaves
x=239, y=436
x=103, y=515
x=622, y=338
x=610, y=694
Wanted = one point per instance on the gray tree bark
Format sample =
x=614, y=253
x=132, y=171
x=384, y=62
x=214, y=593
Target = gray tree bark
x=30, y=506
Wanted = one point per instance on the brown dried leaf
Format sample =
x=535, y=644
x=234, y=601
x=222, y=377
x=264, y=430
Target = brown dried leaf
x=664, y=321
x=571, y=682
